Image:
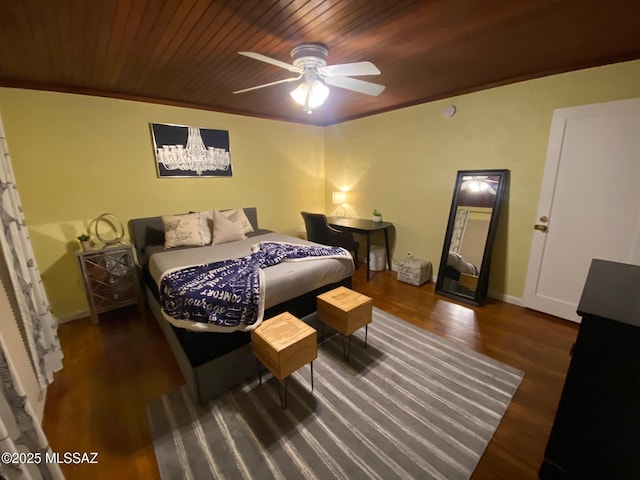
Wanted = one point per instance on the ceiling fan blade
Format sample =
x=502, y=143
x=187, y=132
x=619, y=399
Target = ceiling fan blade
x=356, y=85
x=272, y=61
x=350, y=69
x=292, y=79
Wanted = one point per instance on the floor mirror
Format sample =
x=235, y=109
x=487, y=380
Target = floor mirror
x=471, y=230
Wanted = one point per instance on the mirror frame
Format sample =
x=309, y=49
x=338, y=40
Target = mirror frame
x=483, y=276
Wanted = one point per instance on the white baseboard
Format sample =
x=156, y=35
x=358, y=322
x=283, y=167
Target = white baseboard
x=507, y=299
x=498, y=296
x=394, y=268
x=73, y=316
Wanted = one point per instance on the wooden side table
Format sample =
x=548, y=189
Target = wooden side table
x=345, y=311
x=283, y=344
x=110, y=279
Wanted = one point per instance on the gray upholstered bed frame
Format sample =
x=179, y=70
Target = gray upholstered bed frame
x=216, y=376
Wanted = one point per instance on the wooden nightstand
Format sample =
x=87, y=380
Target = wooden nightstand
x=110, y=279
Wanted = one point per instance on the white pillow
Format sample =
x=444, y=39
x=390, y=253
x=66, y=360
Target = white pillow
x=224, y=230
x=206, y=226
x=182, y=230
x=237, y=215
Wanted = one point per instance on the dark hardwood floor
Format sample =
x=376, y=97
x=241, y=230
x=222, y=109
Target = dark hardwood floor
x=97, y=402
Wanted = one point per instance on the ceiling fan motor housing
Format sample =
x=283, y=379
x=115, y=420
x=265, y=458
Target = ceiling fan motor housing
x=310, y=55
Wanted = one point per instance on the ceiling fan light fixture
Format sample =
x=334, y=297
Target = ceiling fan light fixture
x=316, y=91
x=477, y=185
x=310, y=63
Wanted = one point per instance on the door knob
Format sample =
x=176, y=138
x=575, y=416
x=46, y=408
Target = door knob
x=542, y=228
x=544, y=219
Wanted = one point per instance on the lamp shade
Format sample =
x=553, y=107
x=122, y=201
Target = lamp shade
x=339, y=197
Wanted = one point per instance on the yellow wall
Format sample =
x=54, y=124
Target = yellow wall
x=404, y=162
x=76, y=157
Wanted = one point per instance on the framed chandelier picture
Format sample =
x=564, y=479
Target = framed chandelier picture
x=191, y=151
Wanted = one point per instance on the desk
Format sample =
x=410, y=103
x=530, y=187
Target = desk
x=364, y=227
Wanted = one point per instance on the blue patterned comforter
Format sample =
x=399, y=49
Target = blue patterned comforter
x=228, y=296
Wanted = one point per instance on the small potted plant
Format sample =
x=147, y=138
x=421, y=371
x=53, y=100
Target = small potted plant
x=85, y=241
x=377, y=216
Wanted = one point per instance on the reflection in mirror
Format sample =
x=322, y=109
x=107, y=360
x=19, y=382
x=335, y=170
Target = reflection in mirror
x=473, y=220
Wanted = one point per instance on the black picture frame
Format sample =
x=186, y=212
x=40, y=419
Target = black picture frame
x=183, y=151
x=455, y=275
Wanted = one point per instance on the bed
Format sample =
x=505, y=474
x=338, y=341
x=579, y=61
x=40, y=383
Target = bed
x=460, y=275
x=213, y=362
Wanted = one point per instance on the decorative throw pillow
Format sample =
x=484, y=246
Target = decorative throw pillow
x=224, y=230
x=237, y=215
x=206, y=226
x=182, y=230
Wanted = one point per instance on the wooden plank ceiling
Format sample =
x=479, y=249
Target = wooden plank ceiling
x=185, y=52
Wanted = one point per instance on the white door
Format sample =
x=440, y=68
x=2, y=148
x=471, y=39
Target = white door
x=589, y=203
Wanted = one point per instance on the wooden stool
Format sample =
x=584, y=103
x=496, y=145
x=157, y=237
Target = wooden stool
x=345, y=311
x=283, y=344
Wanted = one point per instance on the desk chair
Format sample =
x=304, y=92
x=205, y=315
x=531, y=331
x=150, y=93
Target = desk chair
x=319, y=231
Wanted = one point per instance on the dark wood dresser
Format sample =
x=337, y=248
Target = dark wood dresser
x=596, y=433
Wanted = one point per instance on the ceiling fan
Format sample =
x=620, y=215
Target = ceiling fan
x=310, y=63
x=479, y=184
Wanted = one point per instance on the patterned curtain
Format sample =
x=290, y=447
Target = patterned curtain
x=39, y=324
x=459, y=226
x=23, y=445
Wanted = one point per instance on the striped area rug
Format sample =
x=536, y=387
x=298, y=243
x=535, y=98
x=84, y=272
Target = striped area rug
x=412, y=405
